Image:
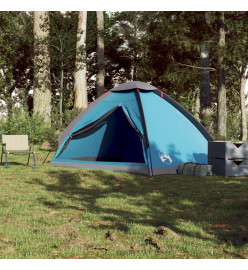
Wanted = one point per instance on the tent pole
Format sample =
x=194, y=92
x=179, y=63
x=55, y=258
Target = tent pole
x=145, y=129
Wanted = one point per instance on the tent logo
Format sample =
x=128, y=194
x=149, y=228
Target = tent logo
x=165, y=158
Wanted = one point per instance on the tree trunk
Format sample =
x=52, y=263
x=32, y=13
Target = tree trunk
x=42, y=80
x=205, y=100
x=221, y=107
x=197, y=106
x=61, y=94
x=100, y=54
x=80, y=85
x=135, y=50
x=242, y=106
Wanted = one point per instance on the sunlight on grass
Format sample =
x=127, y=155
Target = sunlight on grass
x=52, y=212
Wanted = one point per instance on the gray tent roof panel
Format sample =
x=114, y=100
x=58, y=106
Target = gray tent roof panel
x=133, y=85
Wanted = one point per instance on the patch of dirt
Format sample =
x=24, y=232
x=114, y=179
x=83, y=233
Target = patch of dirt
x=74, y=220
x=110, y=225
x=35, y=229
x=168, y=233
x=52, y=213
x=111, y=235
x=223, y=226
x=154, y=242
x=237, y=239
x=234, y=254
x=135, y=247
x=42, y=159
x=12, y=221
x=8, y=250
x=89, y=175
x=78, y=241
x=119, y=181
x=66, y=231
x=45, y=146
x=182, y=255
x=4, y=239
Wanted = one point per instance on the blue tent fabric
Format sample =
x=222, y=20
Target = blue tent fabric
x=173, y=138
x=133, y=129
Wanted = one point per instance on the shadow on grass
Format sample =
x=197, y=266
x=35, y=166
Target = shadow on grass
x=207, y=205
x=16, y=163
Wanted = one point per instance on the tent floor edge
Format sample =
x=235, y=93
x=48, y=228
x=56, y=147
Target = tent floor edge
x=165, y=170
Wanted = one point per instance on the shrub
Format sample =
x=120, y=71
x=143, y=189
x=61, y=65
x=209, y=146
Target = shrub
x=20, y=122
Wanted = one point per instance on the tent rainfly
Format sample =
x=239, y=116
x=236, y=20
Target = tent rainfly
x=133, y=128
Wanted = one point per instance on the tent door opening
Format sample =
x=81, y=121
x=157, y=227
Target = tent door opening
x=111, y=138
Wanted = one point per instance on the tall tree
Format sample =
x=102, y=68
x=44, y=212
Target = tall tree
x=16, y=61
x=131, y=29
x=42, y=80
x=100, y=54
x=80, y=81
x=237, y=46
x=243, y=80
x=205, y=101
x=63, y=54
x=221, y=107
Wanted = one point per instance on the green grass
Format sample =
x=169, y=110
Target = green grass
x=51, y=212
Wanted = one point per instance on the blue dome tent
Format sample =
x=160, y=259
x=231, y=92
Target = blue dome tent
x=133, y=128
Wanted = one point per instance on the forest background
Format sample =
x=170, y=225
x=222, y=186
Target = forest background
x=53, y=64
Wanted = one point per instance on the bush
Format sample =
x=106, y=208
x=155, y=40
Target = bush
x=21, y=122
x=234, y=125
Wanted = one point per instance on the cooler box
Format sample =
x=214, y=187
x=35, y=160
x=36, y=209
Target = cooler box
x=228, y=158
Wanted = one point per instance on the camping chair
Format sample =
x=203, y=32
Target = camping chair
x=16, y=144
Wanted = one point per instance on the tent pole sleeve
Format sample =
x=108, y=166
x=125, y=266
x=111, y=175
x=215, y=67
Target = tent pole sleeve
x=145, y=129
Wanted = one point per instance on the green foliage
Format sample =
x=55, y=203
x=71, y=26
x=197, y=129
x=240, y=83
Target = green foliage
x=187, y=100
x=153, y=47
x=234, y=125
x=63, y=36
x=20, y=122
x=16, y=45
x=170, y=43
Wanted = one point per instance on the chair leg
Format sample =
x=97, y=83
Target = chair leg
x=34, y=158
x=6, y=160
x=29, y=154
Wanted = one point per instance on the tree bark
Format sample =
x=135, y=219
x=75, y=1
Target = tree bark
x=205, y=100
x=197, y=106
x=242, y=105
x=221, y=107
x=61, y=94
x=42, y=80
x=80, y=81
x=100, y=54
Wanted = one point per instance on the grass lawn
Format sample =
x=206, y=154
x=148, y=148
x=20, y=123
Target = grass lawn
x=51, y=212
